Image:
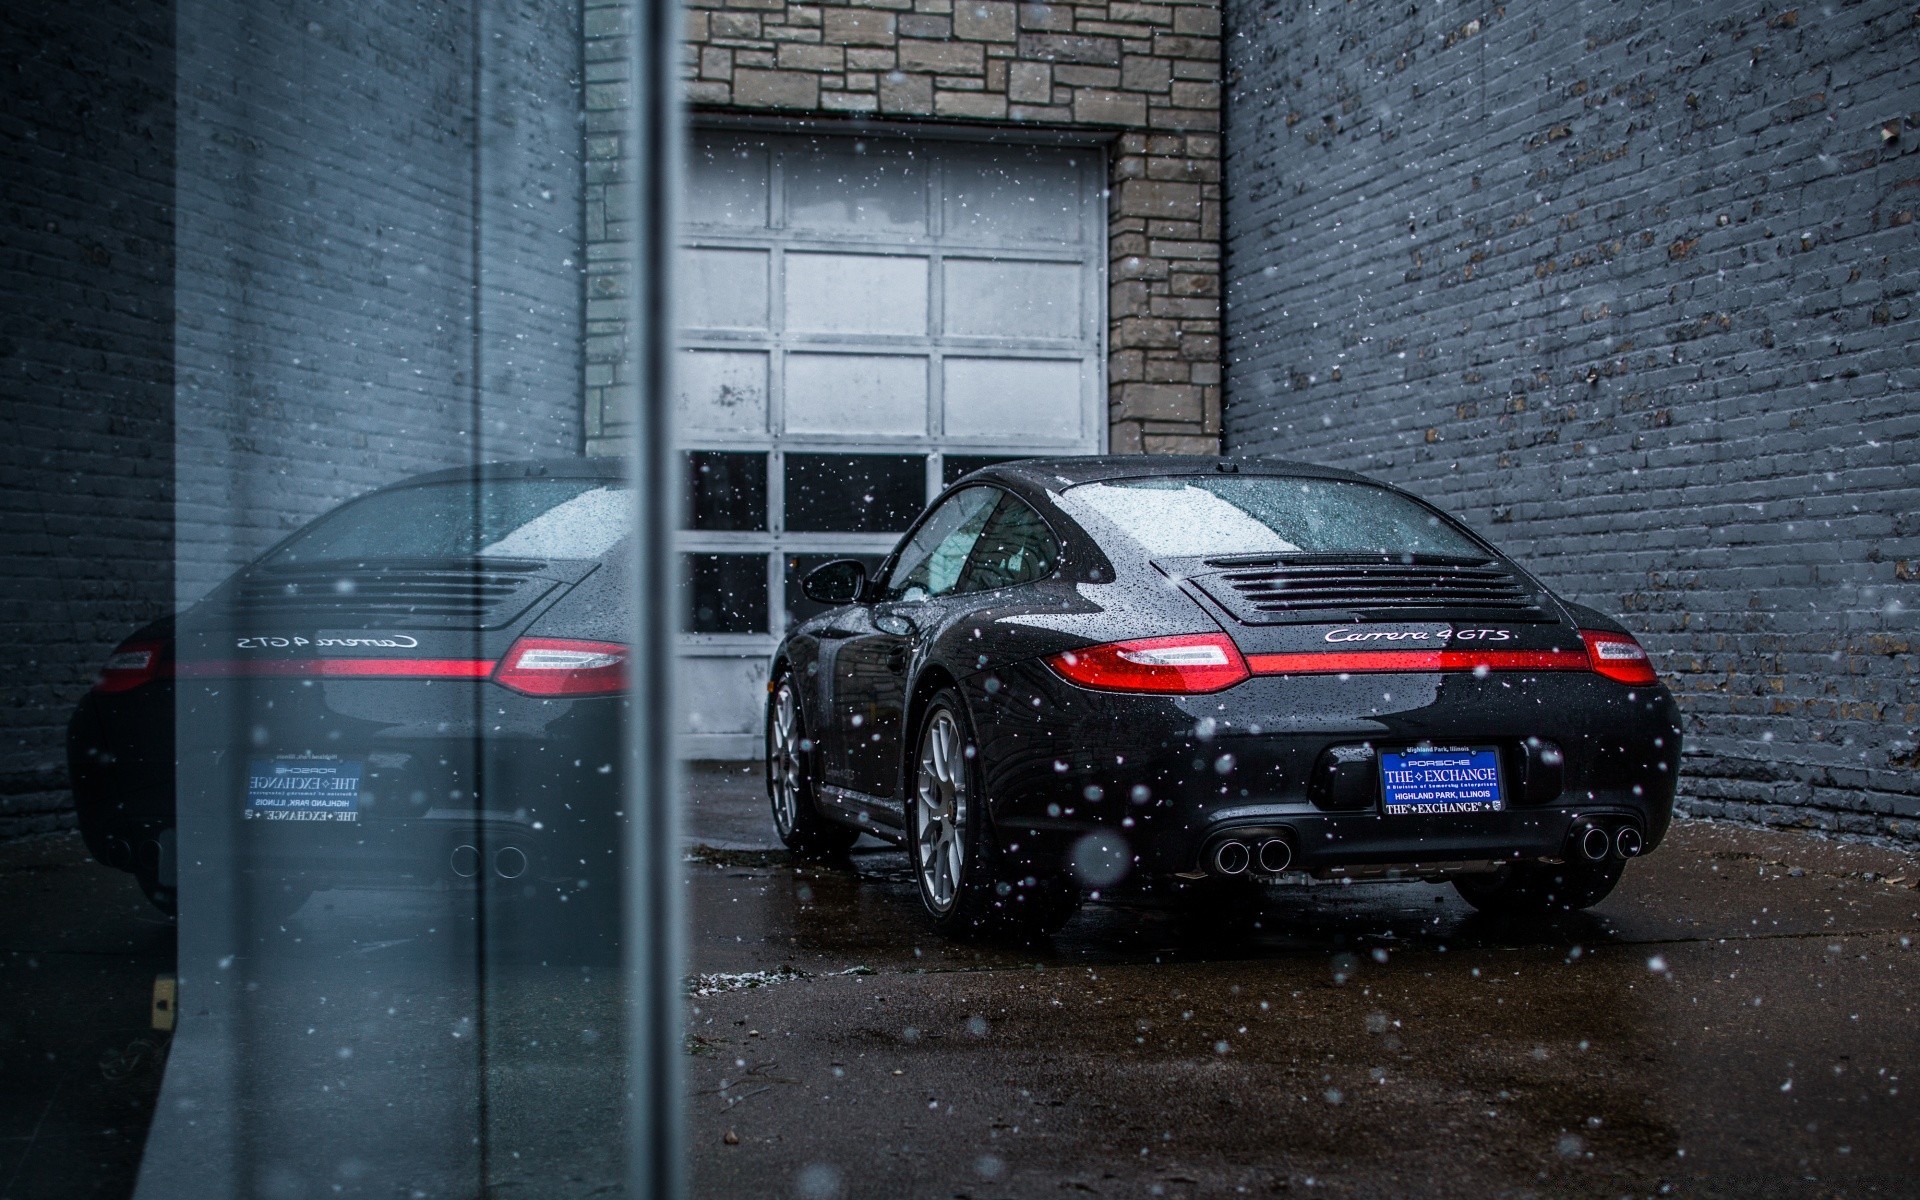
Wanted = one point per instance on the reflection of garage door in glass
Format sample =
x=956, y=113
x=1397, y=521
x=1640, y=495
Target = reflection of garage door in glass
x=864, y=321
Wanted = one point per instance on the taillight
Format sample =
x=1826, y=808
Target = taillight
x=1618, y=657
x=1198, y=662
x=131, y=665
x=563, y=667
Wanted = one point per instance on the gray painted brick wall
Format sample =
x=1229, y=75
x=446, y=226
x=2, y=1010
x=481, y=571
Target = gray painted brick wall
x=366, y=226
x=86, y=381
x=1631, y=289
x=256, y=255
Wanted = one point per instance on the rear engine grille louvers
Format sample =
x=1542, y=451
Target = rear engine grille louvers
x=1272, y=591
x=483, y=596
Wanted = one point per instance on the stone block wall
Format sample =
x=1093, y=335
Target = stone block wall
x=1146, y=74
x=1632, y=289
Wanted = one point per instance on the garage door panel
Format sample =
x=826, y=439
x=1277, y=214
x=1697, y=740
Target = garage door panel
x=857, y=395
x=722, y=695
x=866, y=316
x=1021, y=400
x=997, y=298
x=1012, y=196
x=856, y=294
x=723, y=289
x=727, y=183
x=723, y=392
x=837, y=189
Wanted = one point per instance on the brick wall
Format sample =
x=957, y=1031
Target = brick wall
x=379, y=254
x=1146, y=73
x=1632, y=290
x=254, y=255
x=86, y=381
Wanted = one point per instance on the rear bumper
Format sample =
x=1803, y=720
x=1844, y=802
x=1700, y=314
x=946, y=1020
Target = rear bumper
x=1293, y=756
x=435, y=804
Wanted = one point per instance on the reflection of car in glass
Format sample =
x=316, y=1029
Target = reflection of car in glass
x=1208, y=672
x=424, y=684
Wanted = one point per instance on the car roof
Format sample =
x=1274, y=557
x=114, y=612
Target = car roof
x=1055, y=473
x=577, y=467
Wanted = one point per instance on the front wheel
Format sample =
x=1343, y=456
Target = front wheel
x=790, y=781
x=969, y=884
x=1532, y=889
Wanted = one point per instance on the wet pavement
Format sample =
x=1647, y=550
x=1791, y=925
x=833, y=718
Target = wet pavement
x=1738, y=1019
x=79, y=1064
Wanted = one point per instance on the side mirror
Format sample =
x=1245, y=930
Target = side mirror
x=842, y=581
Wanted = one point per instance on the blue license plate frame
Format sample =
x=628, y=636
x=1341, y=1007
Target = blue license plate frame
x=1441, y=780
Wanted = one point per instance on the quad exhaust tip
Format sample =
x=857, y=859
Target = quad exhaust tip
x=1232, y=857
x=510, y=862
x=1275, y=856
x=1629, y=842
x=1593, y=843
x=464, y=861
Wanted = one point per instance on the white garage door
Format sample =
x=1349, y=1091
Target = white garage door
x=865, y=320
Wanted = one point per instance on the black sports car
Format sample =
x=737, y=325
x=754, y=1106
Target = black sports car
x=1207, y=671
x=427, y=684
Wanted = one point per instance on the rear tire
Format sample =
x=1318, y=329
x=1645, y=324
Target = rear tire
x=1533, y=889
x=796, y=816
x=968, y=883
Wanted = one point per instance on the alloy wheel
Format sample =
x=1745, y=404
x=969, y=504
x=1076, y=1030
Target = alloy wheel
x=785, y=736
x=940, y=811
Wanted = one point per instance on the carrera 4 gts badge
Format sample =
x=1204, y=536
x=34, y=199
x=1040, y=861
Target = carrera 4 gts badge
x=398, y=641
x=1343, y=635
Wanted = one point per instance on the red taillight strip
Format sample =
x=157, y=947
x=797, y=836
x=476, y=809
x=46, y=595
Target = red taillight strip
x=1365, y=661
x=132, y=664
x=339, y=668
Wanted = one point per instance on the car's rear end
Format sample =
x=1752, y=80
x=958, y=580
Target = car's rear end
x=1367, y=688
x=424, y=687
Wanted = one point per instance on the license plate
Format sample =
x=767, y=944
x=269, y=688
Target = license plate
x=303, y=789
x=1429, y=779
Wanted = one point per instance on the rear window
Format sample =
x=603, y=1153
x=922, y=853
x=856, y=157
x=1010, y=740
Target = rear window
x=1220, y=515
x=510, y=518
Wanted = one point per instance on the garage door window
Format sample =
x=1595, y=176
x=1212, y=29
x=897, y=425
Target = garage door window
x=864, y=321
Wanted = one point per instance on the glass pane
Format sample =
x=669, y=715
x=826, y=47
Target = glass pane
x=856, y=293
x=514, y=518
x=857, y=394
x=932, y=561
x=1206, y=515
x=1015, y=547
x=1016, y=194
x=997, y=298
x=854, y=493
x=954, y=466
x=723, y=391
x=844, y=184
x=1012, y=399
x=726, y=593
x=727, y=183
x=723, y=289
x=799, y=608
x=726, y=490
